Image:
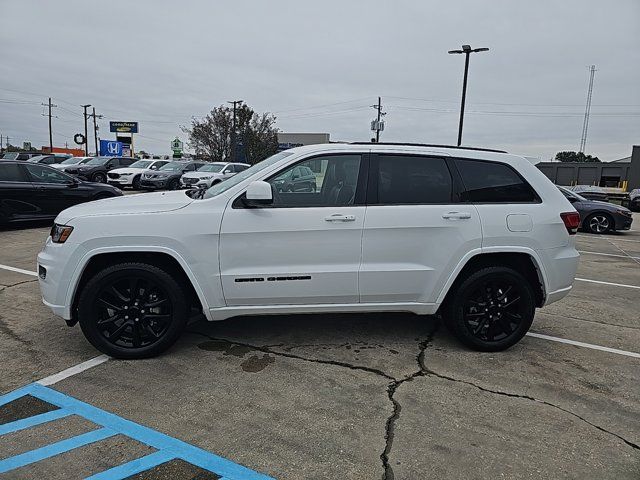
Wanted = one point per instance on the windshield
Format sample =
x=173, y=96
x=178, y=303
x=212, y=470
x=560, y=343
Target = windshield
x=98, y=161
x=218, y=188
x=10, y=156
x=172, y=167
x=140, y=164
x=212, y=167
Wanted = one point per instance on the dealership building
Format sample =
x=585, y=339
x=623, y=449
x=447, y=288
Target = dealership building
x=623, y=173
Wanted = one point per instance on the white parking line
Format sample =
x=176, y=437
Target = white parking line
x=18, y=270
x=71, y=371
x=609, y=254
x=585, y=345
x=607, y=283
x=609, y=238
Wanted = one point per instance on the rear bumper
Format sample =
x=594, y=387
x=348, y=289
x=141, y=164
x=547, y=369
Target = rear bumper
x=560, y=267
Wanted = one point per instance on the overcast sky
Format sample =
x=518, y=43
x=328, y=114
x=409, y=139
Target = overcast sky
x=320, y=65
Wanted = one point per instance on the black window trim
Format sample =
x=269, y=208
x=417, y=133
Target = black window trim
x=361, y=187
x=537, y=199
x=372, y=190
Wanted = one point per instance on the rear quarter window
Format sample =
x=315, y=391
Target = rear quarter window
x=491, y=182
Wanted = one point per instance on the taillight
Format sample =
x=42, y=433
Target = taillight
x=571, y=221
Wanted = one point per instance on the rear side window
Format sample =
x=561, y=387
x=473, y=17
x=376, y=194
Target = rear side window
x=489, y=182
x=10, y=172
x=413, y=180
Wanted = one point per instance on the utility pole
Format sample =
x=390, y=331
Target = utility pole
x=377, y=125
x=233, y=130
x=50, y=105
x=86, y=140
x=95, y=129
x=467, y=50
x=587, y=111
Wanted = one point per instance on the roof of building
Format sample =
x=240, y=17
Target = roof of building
x=622, y=160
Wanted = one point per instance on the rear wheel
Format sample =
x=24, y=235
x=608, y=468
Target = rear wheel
x=132, y=310
x=492, y=309
x=99, y=177
x=598, y=223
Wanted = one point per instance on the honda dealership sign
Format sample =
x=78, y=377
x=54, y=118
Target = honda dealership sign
x=109, y=148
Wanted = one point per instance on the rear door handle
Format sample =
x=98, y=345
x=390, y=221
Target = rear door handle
x=456, y=216
x=337, y=217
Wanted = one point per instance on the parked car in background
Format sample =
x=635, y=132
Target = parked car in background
x=168, y=176
x=19, y=155
x=211, y=173
x=95, y=170
x=130, y=176
x=597, y=216
x=71, y=161
x=480, y=236
x=32, y=191
x=299, y=179
x=50, y=159
x=634, y=200
x=591, y=192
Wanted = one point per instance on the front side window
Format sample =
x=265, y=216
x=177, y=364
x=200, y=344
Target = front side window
x=334, y=185
x=490, y=182
x=406, y=179
x=10, y=172
x=42, y=174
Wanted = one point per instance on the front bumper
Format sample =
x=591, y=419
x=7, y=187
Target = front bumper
x=198, y=184
x=120, y=182
x=153, y=183
x=623, y=222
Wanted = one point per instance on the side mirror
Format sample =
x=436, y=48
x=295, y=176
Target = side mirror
x=258, y=193
x=73, y=183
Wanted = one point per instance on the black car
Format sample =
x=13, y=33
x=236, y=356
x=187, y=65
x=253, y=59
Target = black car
x=95, y=170
x=634, y=200
x=599, y=217
x=298, y=179
x=31, y=191
x=168, y=176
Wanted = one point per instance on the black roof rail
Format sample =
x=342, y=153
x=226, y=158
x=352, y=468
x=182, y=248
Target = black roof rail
x=428, y=145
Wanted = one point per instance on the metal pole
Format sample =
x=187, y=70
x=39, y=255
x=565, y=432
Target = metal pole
x=50, y=133
x=86, y=135
x=95, y=132
x=378, y=124
x=464, y=96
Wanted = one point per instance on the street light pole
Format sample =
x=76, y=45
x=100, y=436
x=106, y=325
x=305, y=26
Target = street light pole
x=467, y=50
x=86, y=140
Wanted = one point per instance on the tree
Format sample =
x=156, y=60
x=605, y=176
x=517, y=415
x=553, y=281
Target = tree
x=569, y=156
x=211, y=135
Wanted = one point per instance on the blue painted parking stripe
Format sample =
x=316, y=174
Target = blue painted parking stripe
x=133, y=467
x=57, y=448
x=168, y=447
x=33, y=421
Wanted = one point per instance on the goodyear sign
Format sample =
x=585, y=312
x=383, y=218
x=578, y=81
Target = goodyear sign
x=123, y=127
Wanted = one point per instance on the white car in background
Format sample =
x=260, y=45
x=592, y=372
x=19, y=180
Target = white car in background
x=130, y=176
x=70, y=161
x=211, y=173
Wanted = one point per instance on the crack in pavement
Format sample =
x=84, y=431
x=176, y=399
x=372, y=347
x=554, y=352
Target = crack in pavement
x=395, y=383
x=5, y=287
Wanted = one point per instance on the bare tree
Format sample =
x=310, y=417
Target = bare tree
x=211, y=136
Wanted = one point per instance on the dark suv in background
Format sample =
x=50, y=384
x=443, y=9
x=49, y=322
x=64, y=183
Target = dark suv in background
x=95, y=170
x=168, y=176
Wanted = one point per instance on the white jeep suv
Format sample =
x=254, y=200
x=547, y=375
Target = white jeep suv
x=480, y=237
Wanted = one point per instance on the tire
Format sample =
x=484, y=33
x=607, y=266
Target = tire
x=135, y=184
x=491, y=309
x=106, y=305
x=598, y=223
x=173, y=184
x=99, y=177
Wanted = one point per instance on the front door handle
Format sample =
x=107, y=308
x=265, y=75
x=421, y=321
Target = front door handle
x=337, y=217
x=456, y=216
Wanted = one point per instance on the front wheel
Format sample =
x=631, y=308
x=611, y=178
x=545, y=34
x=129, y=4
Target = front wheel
x=135, y=184
x=132, y=310
x=173, y=184
x=492, y=309
x=598, y=223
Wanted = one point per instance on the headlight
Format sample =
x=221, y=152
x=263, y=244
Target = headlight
x=60, y=233
x=624, y=211
x=125, y=174
x=206, y=178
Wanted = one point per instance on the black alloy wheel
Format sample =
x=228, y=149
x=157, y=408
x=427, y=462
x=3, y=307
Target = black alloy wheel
x=132, y=310
x=135, y=184
x=173, y=184
x=99, y=177
x=492, y=309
